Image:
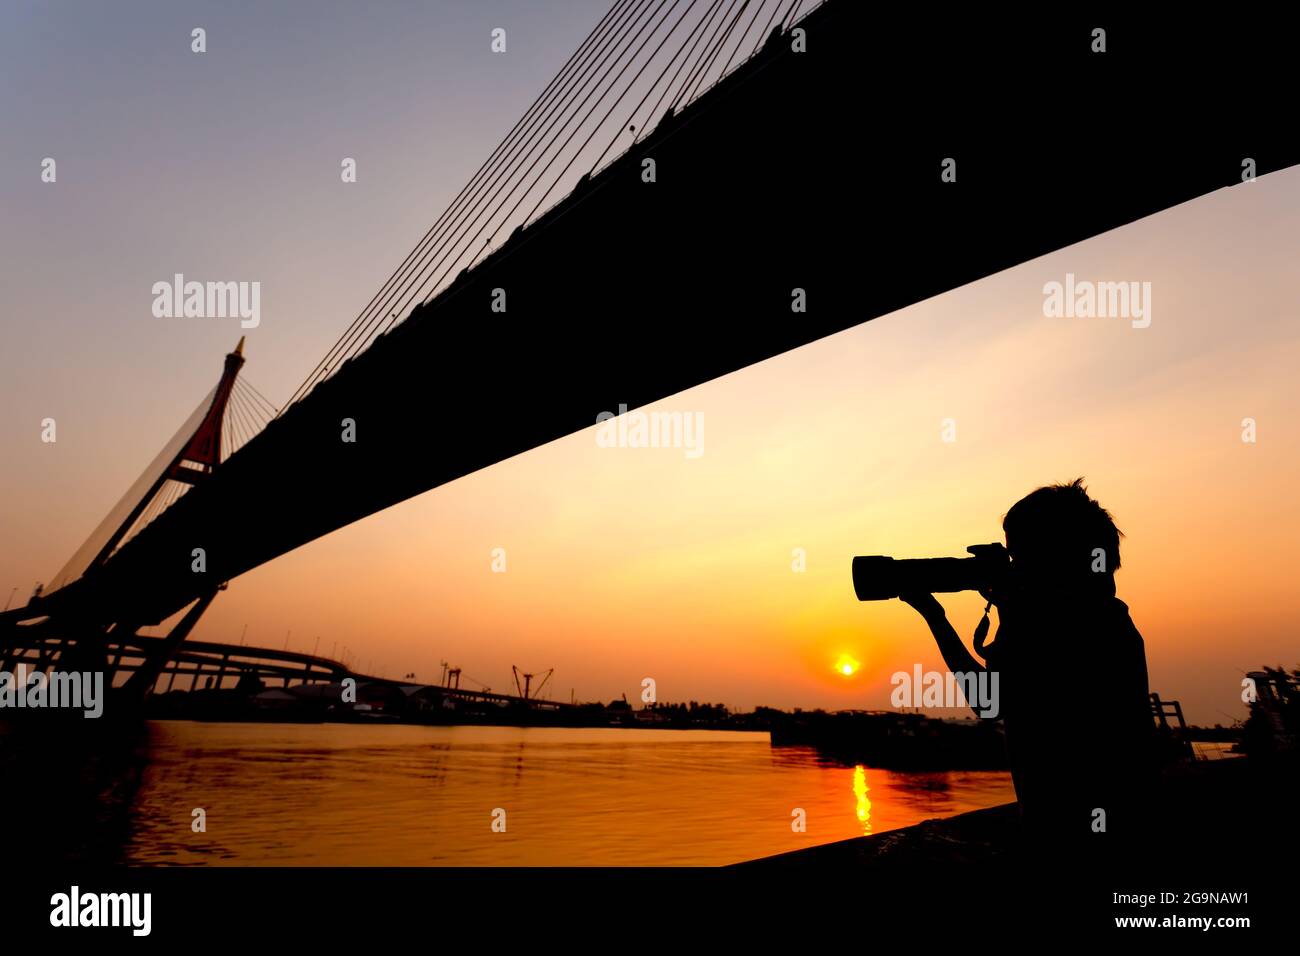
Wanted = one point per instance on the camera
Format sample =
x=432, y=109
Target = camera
x=879, y=578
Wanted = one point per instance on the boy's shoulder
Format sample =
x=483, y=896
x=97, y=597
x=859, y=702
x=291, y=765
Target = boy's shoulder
x=1121, y=613
x=1120, y=635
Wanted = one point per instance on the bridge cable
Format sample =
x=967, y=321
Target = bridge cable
x=638, y=129
x=680, y=97
x=744, y=34
x=417, y=270
x=490, y=163
x=717, y=49
x=364, y=335
x=266, y=401
x=492, y=213
x=475, y=209
x=697, y=32
x=468, y=217
x=610, y=111
x=455, y=204
x=461, y=252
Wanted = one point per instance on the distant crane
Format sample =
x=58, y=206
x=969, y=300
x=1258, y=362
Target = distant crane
x=450, y=674
x=526, y=691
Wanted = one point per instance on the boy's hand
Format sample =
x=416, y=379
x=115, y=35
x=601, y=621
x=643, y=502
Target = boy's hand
x=925, y=605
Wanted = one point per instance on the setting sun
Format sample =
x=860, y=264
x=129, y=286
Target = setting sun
x=847, y=665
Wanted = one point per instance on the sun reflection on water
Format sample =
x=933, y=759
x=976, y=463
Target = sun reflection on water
x=860, y=789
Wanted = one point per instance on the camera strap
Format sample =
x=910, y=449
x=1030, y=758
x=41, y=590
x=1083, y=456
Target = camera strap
x=982, y=631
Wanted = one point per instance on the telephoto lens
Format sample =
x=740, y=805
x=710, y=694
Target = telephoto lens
x=879, y=578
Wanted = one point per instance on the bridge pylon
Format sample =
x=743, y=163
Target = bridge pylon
x=71, y=637
x=197, y=459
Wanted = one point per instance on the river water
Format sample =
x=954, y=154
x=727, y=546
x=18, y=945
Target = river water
x=345, y=794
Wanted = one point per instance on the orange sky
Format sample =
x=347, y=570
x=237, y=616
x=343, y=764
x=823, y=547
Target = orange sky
x=631, y=563
x=622, y=563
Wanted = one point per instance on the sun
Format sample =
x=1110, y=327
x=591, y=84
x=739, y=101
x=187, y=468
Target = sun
x=846, y=665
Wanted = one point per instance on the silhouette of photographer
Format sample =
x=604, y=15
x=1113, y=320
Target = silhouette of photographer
x=1072, y=675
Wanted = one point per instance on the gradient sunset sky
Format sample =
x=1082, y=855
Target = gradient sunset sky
x=623, y=563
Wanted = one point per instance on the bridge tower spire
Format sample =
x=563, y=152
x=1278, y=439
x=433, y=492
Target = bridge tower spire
x=197, y=459
x=202, y=453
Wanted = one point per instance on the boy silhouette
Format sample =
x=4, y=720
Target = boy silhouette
x=1072, y=674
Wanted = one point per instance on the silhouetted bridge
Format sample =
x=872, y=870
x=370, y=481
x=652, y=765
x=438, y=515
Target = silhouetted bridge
x=199, y=664
x=764, y=153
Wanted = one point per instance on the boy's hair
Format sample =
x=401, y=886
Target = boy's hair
x=1061, y=526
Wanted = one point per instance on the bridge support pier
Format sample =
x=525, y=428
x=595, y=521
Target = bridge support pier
x=140, y=684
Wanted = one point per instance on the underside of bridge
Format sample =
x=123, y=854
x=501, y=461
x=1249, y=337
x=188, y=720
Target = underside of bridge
x=800, y=171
